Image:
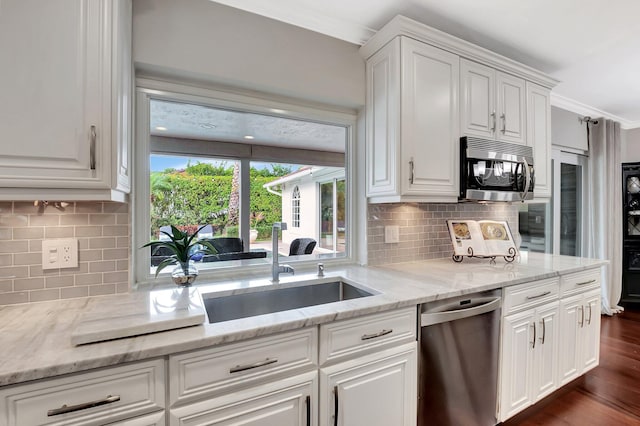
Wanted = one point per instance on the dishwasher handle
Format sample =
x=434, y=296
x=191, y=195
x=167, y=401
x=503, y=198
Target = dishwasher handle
x=482, y=305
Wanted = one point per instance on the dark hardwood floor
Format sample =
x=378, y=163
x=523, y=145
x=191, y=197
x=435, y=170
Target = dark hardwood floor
x=607, y=395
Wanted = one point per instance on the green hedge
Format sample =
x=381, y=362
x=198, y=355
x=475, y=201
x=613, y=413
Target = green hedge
x=187, y=199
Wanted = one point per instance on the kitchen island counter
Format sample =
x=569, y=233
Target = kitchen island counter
x=36, y=338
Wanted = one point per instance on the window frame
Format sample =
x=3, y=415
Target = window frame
x=148, y=89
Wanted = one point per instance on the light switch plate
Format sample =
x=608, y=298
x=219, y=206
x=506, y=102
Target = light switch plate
x=59, y=254
x=392, y=234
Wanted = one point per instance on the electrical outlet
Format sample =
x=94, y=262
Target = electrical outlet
x=392, y=234
x=58, y=254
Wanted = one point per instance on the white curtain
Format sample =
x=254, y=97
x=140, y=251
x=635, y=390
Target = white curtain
x=604, y=237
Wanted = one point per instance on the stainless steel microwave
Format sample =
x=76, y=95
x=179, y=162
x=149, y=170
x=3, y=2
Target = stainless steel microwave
x=491, y=170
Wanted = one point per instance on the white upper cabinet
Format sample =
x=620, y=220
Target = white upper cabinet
x=539, y=137
x=411, y=156
x=429, y=134
x=425, y=89
x=478, y=103
x=493, y=103
x=66, y=99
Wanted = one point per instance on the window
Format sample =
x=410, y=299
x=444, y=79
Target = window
x=295, y=208
x=236, y=172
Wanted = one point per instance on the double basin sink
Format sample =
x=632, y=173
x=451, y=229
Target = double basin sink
x=282, y=298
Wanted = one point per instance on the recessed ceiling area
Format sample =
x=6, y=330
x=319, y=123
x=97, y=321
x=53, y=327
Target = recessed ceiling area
x=182, y=120
x=592, y=47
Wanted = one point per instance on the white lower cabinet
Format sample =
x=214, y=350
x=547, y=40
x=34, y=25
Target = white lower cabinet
x=580, y=335
x=288, y=402
x=550, y=336
x=375, y=390
x=117, y=394
x=273, y=380
x=529, y=352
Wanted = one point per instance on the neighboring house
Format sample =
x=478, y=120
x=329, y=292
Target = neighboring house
x=306, y=194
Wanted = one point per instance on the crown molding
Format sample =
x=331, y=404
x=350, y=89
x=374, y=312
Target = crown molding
x=403, y=26
x=584, y=109
x=290, y=12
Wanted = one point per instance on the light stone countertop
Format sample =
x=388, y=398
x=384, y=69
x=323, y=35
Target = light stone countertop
x=35, y=339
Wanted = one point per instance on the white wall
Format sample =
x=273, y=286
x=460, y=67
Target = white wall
x=566, y=129
x=630, y=145
x=308, y=211
x=200, y=40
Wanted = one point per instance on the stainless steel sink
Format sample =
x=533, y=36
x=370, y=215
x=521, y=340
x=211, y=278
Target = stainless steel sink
x=225, y=308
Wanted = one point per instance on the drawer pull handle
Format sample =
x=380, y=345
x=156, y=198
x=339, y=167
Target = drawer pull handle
x=586, y=282
x=71, y=408
x=378, y=334
x=239, y=368
x=538, y=295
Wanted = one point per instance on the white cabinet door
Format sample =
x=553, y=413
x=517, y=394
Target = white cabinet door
x=546, y=351
x=517, y=361
x=374, y=390
x=477, y=85
x=571, y=311
x=571, y=318
x=529, y=367
x=493, y=103
x=590, y=346
x=48, y=60
x=580, y=335
x=63, y=105
x=539, y=137
x=383, y=120
x=288, y=402
x=412, y=123
x=511, y=108
x=429, y=129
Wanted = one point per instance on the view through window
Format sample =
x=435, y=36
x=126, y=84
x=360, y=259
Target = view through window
x=197, y=189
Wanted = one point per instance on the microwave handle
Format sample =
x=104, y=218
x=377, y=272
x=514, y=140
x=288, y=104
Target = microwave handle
x=527, y=179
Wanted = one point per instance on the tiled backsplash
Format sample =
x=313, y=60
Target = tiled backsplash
x=103, y=233
x=423, y=228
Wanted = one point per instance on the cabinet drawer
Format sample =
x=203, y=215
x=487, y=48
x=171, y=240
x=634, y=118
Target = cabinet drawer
x=210, y=372
x=133, y=390
x=531, y=294
x=580, y=282
x=348, y=338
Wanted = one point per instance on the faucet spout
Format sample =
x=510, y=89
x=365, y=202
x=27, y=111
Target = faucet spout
x=276, y=268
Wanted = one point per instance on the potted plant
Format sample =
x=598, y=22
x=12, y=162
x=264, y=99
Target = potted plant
x=183, y=246
x=256, y=217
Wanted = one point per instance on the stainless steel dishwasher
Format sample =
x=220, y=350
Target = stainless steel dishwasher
x=459, y=343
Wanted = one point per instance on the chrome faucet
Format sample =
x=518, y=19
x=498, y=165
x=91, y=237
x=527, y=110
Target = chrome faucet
x=277, y=269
